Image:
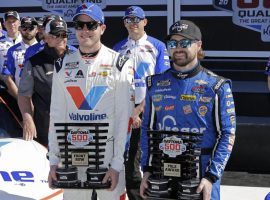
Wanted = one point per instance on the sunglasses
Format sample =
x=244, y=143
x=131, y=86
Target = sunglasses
x=184, y=43
x=30, y=28
x=134, y=20
x=91, y=26
x=59, y=35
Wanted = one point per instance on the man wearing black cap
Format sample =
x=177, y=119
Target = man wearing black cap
x=12, y=23
x=15, y=55
x=40, y=21
x=36, y=82
x=149, y=57
x=196, y=101
x=40, y=45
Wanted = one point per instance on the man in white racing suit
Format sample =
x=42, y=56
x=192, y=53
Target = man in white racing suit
x=93, y=84
x=13, y=36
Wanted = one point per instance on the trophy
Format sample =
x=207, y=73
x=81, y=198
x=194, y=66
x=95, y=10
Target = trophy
x=175, y=160
x=82, y=152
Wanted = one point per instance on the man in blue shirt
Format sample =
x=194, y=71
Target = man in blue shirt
x=149, y=57
x=190, y=98
x=15, y=55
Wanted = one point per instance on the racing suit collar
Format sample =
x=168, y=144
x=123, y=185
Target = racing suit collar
x=187, y=74
x=137, y=42
x=27, y=45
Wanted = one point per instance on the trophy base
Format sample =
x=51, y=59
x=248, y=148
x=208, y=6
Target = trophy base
x=164, y=195
x=187, y=189
x=95, y=177
x=67, y=178
x=157, y=198
x=67, y=184
x=190, y=196
x=188, y=186
x=96, y=185
x=158, y=184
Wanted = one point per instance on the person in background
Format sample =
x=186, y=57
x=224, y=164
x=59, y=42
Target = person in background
x=150, y=57
x=40, y=21
x=2, y=32
x=103, y=78
x=190, y=98
x=12, y=37
x=267, y=72
x=34, y=93
x=15, y=55
x=40, y=45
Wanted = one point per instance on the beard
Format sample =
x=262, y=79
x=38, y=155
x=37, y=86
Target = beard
x=28, y=37
x=184, y=59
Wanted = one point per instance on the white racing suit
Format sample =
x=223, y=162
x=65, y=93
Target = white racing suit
x=99, y=90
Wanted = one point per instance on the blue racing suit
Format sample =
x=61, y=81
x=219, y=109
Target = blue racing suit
x=198, y=101
x=37, y=48
x=15, y=60
x=267, y=69
x=33, y=50
x=150, y=57
x=5, y=43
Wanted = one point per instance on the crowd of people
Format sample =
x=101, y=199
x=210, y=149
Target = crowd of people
x=132, y=86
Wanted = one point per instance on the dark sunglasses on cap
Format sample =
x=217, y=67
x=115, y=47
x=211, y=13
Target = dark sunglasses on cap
x=184, y=43
x=134, y=20
x=59, y=35
x=30, y=28
x=91, y=26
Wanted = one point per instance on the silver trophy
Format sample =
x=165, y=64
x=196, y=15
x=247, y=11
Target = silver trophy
x=175, y=161
x=82, y=148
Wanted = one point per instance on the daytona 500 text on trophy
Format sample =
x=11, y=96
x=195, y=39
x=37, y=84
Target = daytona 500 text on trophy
x=175, y=160
x=82, y=152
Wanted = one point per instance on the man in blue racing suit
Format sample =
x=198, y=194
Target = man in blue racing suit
x=190, y=98
x=149, y=57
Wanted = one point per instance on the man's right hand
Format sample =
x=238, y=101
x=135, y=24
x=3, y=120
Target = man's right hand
x=52, y=175
x=29, y=129
x=144, y=184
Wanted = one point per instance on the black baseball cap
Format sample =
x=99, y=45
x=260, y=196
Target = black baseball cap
x=11, y=13
x=48, y=18
x=186, y=29
x=40, y=21
x=28, y=21
x=55, y=26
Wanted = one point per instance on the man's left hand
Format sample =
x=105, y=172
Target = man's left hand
x=205, y=187
x=111, y=176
